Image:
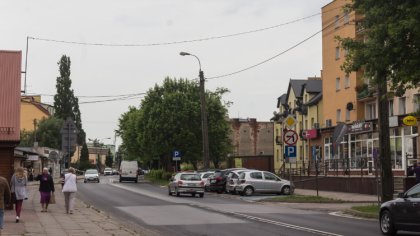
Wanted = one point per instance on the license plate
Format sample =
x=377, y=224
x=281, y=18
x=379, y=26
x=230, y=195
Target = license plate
x=213, y=181
x=191, y=184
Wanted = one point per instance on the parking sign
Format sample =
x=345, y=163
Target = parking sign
x=176, y=155
x=290, y=151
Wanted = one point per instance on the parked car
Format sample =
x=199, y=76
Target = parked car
x=128, y=171
x=232, y=180
x=205, y=178
x=251, y=182
x=186, y=182
x=114, y=172
x=107, y=171
x=91, y=175
x=218, y=180
x=402, y=213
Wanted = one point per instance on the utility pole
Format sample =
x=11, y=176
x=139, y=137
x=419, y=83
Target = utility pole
x=204, y=125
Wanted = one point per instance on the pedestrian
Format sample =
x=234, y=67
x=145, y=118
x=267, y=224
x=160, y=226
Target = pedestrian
x=416, y=170
x=69, y=190
x=46, y=186
x=18, y=187
x=4, y=199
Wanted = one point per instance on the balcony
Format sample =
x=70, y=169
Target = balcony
x=364, y=92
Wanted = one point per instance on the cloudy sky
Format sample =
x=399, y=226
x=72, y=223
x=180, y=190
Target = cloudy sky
x=108, y=71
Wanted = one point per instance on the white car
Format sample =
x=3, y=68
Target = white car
x=107, y=171
x=91, y=175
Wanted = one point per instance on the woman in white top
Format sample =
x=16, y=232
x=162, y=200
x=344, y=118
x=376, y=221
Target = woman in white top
x=69, y=190
x=18, y=186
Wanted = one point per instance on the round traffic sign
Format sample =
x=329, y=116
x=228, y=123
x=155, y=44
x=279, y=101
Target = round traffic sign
x=290, y=137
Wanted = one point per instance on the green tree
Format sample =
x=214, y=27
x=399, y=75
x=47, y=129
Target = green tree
x=109, y=159
x=26, y=138
x=84, y=162
x=169, y=119
x=48, y=132
x=387, y=51
x=65, y=103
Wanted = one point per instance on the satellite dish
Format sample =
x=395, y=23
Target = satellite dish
x=349, y=106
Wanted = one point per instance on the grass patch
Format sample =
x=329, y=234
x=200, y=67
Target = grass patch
x=368, y=211
x=156, y=181
x=304, y=199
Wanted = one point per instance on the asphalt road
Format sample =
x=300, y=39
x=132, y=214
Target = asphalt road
x=146, y=206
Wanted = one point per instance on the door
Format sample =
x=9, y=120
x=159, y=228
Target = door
x=412, y=205
x=257, y=181
x=271, y=182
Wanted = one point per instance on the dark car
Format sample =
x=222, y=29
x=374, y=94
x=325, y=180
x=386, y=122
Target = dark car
x=402, y=213
x=217, y=182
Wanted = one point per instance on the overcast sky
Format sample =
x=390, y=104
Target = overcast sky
x=104, y=71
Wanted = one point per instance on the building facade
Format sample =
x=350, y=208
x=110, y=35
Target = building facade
x=32, y=110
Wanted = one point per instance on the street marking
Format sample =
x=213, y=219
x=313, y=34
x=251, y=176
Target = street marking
x=204, y=206
x=341, y=214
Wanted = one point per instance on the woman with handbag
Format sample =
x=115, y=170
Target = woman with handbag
x=69, y=190
x=18, y=189
x=46, y=188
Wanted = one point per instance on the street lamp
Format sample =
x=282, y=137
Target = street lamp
x=205, y=132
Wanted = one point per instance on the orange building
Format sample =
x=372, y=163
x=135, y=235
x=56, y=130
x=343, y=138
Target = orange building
x=32, y=110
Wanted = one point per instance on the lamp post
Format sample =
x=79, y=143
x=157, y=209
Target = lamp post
x=204, y=126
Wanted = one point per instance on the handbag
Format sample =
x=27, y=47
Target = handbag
x=52, y=198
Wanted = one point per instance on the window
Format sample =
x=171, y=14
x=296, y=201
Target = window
x=401, y=106
x=337, y=53
x=416, y=102
x=338, y=115
x=337, y=22
x=346, y=81
x=391, y=107
x=312, y=122
x=256, y=175
x=370, y=111
x=337, y=83
x=346, y=51
x=269, y=176
x=306, y=98
x=346, y=18
x=347, y=115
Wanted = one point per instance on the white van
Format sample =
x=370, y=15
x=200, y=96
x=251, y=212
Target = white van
x=128, y=171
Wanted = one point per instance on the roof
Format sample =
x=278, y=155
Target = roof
x=314, y=100
x=296, y=85
x=281, y=100
x=313, y=86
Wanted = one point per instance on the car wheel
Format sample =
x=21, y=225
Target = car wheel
x=193, y=195
x=135, y=181
x=285, y=190
x=201, y=195
x=176, y=192
x=98, y=181
x=248, y=191
x=386, y=224
x=169, y=191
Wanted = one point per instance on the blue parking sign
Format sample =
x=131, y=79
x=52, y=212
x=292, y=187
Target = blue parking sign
x=176, y=155
x=290, y=151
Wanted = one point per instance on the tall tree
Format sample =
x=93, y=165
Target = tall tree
x=387, y=51
x=169, y=119
x=84, y=162
x=109, y=159
x=65, y=103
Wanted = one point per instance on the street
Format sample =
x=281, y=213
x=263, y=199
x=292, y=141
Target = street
x=147, y=206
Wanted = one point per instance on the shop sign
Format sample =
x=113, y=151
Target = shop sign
x=32, y=157
x=310, y=134
x=410, y=121
x=360, y=127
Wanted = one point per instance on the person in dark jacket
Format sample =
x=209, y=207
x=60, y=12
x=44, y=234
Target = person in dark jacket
x=4, y=198
x=416, y=170
x=46, y=186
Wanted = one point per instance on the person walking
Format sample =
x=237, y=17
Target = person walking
x=18, y=187
x=69, y=190
x=4, y=199
x=46, y=186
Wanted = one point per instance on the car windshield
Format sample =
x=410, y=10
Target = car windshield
x=207, y=175
x=91, y=172
x=190, y=177
x=108, y=169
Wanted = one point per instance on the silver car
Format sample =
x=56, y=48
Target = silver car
x=186, y=182
x=232, y=180
x=251, y=182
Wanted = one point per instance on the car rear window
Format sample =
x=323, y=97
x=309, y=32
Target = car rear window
x=190, y=177
x=207, y=175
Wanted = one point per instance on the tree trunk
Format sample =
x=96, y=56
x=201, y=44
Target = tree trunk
x=384, y=139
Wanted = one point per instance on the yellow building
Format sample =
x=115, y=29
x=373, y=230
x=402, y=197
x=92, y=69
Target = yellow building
x=32, y=110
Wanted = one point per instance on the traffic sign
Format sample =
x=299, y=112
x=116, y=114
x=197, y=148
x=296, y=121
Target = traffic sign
x=176, y=155
x=290, y=151
x=290, y=137
x=290, y=121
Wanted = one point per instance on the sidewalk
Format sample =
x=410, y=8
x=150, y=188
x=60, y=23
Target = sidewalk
x=348, y=197
x=84, y=220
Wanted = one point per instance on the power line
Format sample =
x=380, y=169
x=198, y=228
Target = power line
x=275, y=56
x=89, y=96
x=175, y=42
